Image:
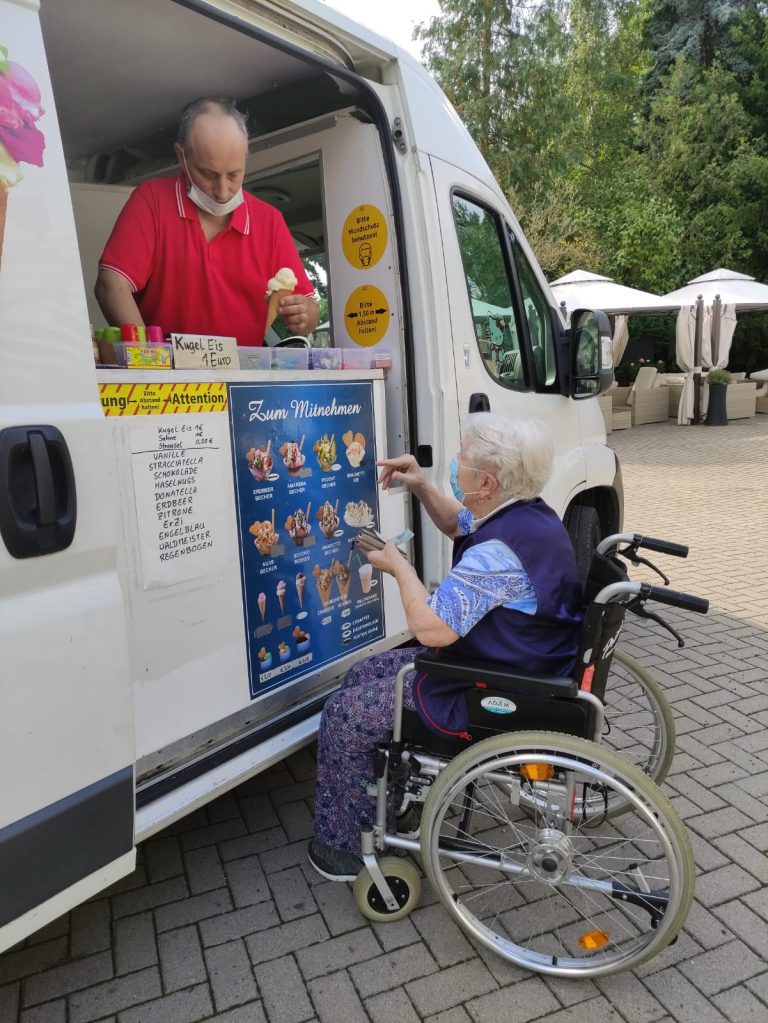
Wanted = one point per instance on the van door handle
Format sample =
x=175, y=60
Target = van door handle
x=38, y=502
x=478, y=402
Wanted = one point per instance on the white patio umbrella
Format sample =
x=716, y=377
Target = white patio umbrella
x=584, y=290
x=686, y=355
x=721, y=290
x=620, y=338
x=739, y=290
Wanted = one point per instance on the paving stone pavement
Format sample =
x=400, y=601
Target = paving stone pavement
x=223, y=919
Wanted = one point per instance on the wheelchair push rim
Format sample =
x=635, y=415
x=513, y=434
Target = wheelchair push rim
x=559, y=894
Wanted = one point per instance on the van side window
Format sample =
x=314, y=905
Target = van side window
x=490, y=291
x=538, y=314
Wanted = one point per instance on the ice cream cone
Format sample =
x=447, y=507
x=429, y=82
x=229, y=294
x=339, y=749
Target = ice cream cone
x=281, y=598
x=273, y=307
x=301, y=582
x=262, y=604
x=3, y=210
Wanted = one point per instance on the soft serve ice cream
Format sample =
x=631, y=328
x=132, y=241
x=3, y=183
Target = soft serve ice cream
x=20, y=140
x=280, y=286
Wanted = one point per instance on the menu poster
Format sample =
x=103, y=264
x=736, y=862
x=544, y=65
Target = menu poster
x=179, y=471
x=305, y=482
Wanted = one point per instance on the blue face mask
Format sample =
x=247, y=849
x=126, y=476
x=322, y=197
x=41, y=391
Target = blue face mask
x=458, y=493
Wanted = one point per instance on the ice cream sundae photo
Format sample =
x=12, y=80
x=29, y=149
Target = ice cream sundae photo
x=284, y=651
x=265, y=659
x=298, y=525
x=325, y=449
x=301, y=582
x=301, y=639
x=324, y=580
x=329, y=519
x=264, y=535
x=280, y=286
x=343, y=578
x=20, y=140
x=358, y=513
x=355, y=445
x=259, y=462
x=293, y=460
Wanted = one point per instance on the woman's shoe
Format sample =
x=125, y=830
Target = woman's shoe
x=335, y=864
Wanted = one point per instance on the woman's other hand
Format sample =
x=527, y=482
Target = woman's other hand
x=386, y=558
x=403, y=470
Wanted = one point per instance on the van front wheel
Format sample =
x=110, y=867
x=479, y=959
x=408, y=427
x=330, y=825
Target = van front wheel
x=583, y=525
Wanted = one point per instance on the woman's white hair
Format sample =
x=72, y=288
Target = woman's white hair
x=519, y=453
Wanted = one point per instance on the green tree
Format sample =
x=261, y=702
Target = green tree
x=697, y=30
x=559, y=227
x=700, y=152
x=500, y=63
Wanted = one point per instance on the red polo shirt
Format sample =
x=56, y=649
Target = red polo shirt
x=189, y=285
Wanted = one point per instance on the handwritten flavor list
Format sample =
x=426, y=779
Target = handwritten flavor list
x=305, y=482
x=178, y=470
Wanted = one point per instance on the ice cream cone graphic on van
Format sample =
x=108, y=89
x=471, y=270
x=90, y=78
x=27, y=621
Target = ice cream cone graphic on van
x=20, y=140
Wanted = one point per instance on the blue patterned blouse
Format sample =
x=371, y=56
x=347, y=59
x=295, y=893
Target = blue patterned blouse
x=489, y=575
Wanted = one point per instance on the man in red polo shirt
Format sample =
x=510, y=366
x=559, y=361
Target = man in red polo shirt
x=194, y=253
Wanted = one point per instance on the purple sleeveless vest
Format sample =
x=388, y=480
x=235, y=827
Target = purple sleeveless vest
x=545, y=643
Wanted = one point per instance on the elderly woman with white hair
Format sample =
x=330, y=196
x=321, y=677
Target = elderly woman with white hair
x=513, y=595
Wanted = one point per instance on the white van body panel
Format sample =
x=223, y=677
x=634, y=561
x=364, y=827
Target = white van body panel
x=104, y=676
x=66, y=719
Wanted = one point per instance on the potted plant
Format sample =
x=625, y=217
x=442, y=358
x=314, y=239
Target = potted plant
x=717, y=380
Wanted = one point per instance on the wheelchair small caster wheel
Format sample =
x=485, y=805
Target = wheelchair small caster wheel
x=402, y=877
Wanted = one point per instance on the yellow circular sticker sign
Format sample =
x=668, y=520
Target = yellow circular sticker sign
x=364, y=236
x=366, y=315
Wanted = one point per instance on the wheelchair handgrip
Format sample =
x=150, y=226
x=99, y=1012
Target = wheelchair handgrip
x=687, y=601
x=677, y=550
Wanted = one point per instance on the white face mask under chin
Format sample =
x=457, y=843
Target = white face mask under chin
x=209, y=205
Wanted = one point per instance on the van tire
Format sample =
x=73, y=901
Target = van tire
x=583, y=525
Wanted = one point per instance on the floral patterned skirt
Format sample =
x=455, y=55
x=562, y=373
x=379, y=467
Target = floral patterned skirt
x=355, y=721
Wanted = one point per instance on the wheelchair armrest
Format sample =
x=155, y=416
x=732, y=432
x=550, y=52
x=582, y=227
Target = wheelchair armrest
x=497, y=676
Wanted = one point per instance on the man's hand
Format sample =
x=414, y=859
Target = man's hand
x=299, y=313
x=404, y=470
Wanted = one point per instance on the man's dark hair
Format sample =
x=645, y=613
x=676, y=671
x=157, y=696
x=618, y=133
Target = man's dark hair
x=205, y=105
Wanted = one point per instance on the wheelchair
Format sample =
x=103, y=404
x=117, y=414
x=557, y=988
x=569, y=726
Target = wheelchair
x=548, y=847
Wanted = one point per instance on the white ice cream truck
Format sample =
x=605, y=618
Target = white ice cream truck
x=178, y=594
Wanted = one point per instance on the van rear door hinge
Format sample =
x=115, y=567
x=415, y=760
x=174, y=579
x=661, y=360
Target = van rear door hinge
x=398, y=135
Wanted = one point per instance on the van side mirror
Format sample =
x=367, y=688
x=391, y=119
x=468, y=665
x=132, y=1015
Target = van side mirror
x=591, y=353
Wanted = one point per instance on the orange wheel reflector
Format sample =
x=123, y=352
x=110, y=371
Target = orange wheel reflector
x=537, y=772
x=593, y=940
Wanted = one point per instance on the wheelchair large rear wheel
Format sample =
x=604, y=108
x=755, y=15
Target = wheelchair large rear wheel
x=538, y=882
x=639, y=721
